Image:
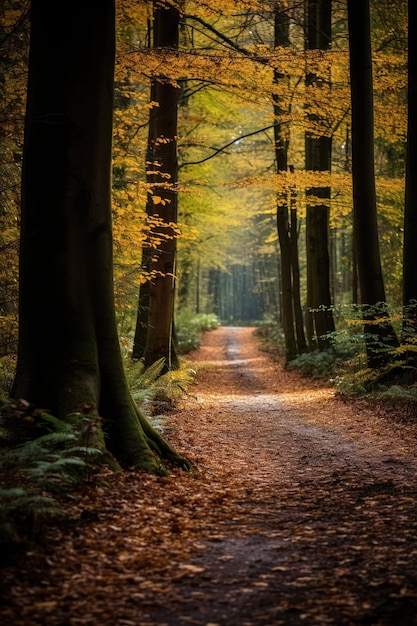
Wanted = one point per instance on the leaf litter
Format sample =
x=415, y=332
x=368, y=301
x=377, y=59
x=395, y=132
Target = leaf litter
x=302, y=510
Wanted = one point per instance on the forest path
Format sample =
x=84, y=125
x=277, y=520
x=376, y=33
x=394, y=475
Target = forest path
x=302, y=510
x=329, y=529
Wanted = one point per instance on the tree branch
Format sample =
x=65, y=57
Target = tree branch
x=227, y=40
x=219, y=150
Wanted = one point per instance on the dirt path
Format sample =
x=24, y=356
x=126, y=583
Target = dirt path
x=303, y=511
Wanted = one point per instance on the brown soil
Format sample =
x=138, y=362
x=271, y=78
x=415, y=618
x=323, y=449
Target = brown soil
x=302, y=510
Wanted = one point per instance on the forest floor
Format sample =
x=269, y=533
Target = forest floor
x=302, y=510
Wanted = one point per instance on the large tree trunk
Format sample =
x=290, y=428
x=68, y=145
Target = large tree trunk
x=69, y=358
x=281, y=38
x=318, y=150
x=379, y=336
x=163, y=167
x=410, y=210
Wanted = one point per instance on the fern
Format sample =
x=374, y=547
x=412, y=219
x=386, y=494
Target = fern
x=58, y=425
x=151, y=374
x=23, y=514
x=143, y=395
x=45, y=460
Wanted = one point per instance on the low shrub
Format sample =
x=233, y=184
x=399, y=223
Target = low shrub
x=191, y=327
x=271, y=338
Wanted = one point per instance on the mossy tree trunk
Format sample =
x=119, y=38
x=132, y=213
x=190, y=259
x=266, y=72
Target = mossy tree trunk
x=69, y=358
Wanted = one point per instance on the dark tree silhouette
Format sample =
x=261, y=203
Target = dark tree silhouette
x=69, y=358
x=379, y=334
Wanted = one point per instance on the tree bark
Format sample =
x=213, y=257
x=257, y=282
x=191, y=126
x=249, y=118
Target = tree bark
x=318, y=150
x=281, y=38
x=379, y=336
x=298, y=313
x=142, y=316
x=69, y=357
x=410, y=209
x=162, y=166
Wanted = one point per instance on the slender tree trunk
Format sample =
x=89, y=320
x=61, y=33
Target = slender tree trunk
x=197, y=286
x=298, y=313
x=381, y=335
x=318, y=150
x=410, y=210
x=281, y=38
x=332, y=263
x=355, y=281
x=69, y=358
x=213, y=290
x=286, y=282
x=142, y=318
x=311, y=287
x=163, y=175
x=280, y=305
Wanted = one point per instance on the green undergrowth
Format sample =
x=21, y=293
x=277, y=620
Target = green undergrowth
x=346, y=351
x=271, y=338
x=157, y=393
x=190, y=328
x=41, y=459
x=344, y=364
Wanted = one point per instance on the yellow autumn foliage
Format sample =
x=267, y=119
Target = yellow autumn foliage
x=227, y=204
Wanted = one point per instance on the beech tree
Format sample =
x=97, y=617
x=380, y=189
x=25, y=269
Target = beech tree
x=69, y=358
x=156, y=302
x=318, y=151
x=225, y=69
x=379, y=333
x=281, y=38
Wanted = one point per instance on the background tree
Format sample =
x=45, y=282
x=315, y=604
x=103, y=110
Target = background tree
x=69, y=358
x=227, y=236
x=281, y=38
x=318, y=152
x=162, y=175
